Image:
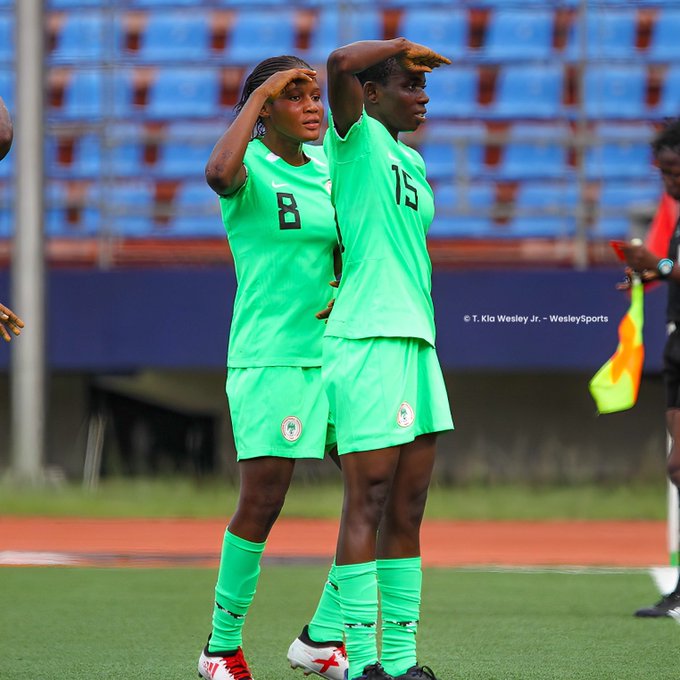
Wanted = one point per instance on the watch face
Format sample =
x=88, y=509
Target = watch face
x=665, y=267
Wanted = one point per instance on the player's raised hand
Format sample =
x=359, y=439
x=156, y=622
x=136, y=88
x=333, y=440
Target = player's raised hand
x=279, y=81
x=421, y=59
x=9, y=321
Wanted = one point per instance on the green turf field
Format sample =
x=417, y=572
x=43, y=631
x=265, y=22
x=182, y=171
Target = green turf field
x=187, y=498
x=125, y=624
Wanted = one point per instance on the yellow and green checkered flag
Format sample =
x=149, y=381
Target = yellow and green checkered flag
x=615, y=386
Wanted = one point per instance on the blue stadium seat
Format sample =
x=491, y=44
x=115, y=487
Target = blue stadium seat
x=179, y=158
x=617, y=199
x=518, y=34
x=130, y=208
x=7, y=166
x=124, y=150
x=85, y=37
x=664, y=45
x=527, y=91
x=183, y=92
x=453, y=150
x=6, y=38
x=669, y=102
x=610, y=34
x=463, y=211
x=63, y=220
x=257, y=35
x=7, y=89
x=151, y=4
x=175, y=36
x=615, y=91
x=70, y=4
x=444, y=30
x=196, y=212
x=6, y=210
x=619, y=151
x=544, y=210
x=452, y=92
x=86, y=161
x=337, y=27
x=83, y=96
x=534, y=151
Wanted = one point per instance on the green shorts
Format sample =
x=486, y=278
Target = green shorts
x=383, y=391
x=279, y=411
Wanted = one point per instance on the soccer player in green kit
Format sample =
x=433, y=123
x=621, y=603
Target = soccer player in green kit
x=274, y=191
x=380, y=369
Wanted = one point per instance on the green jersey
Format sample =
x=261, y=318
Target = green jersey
x=384, y=208
x=281, y=230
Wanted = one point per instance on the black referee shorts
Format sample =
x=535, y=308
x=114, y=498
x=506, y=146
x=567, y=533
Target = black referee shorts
x=671, y=369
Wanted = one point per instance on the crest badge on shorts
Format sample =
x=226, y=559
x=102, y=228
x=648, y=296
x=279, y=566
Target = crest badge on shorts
x=291, y=428
x=405, y=415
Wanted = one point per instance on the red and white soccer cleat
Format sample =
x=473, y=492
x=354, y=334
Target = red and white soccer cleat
x=325, y=659
x=223, y=666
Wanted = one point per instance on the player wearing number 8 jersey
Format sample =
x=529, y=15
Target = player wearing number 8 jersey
x=275, y=200
x=380, y=368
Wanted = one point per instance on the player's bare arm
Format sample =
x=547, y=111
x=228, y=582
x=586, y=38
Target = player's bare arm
x=345, y=93
x=9, y=323
x=6, y=130
x=224, y=171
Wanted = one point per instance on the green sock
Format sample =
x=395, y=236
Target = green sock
x=235, y=589
x=400, y=582
x=326, y=624
x=359, y=601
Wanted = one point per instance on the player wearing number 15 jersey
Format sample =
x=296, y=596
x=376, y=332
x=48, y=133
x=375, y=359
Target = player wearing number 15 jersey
x=380, y=368
x=274, y=191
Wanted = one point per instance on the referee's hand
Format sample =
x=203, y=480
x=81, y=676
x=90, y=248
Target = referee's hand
x=9, y=321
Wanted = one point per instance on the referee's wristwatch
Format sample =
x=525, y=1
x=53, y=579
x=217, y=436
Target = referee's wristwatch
x=664, y=267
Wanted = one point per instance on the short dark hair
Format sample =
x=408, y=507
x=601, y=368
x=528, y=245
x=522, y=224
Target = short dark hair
x=259, y=74
x=668, y=137
x=380, y=72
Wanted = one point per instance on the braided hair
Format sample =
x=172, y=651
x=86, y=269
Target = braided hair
x=668, y=137
x=259, y=74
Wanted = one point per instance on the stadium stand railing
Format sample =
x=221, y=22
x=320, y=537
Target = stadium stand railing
x=539, y=131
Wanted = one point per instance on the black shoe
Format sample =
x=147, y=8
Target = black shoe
x=374, y=672
x=662, y=607
x=417, y=673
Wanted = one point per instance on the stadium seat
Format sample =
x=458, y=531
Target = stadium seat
x=518, y=34
x=7, y=166
x=178, y=158
x=337, y=27
x=7, y=88
x=453, y=150
x=544, y=210
x=610, y=34
x=619, y=151
x=6, y=38
x=175, y=36
x=196, y=212
x=452, y=92
x=161, y=3
x=664, y=45
x=527, y=91
x=444, y=30
x=85, y=161
x=86, y=37
x=6, y=210
x=62, y=220
x=535, y=151
x=615, y=91
x=257, y=35
x=183, y=92
x=463, y=211
x=669, y=102
x=69, y=4
x=123, y=149
x=83, y=96
x=130, y=208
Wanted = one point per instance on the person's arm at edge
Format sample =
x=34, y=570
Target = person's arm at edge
x=224, y=171
x=6, y=130
x=345, y=93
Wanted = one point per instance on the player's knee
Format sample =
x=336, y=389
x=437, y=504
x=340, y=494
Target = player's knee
x=366, y=504
x=262, y=506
